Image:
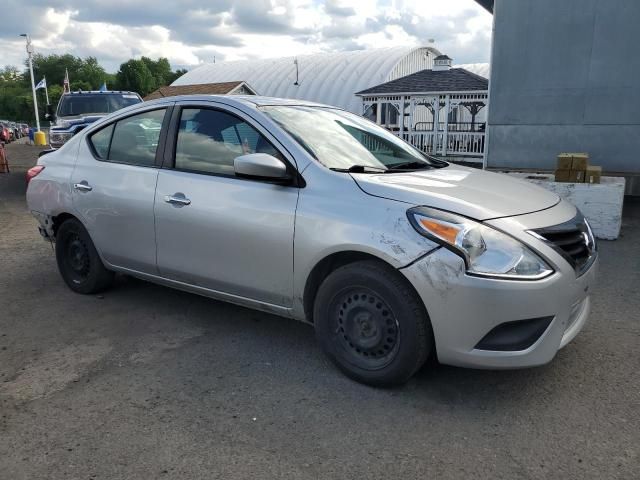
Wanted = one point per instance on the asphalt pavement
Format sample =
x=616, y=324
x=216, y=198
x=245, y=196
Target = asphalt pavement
x=146, y=382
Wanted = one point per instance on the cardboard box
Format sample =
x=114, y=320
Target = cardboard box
x=562, y=175
x=579, y=161
x=593, y=174
x=577, y=176
x=564, y=161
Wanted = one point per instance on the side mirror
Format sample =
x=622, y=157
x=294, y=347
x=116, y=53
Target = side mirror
x=50, y=115
x=261, y=166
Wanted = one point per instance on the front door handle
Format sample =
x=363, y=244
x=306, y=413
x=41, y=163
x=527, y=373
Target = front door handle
x=177, y=199
x=83, y=186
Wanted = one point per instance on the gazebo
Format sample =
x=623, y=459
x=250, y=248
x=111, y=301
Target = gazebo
x=439, y=111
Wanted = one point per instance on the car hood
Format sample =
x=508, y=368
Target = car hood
x=470, y=192
x=66, y=123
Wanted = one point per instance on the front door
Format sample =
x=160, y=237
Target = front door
x=216, y=230
x=113, y=186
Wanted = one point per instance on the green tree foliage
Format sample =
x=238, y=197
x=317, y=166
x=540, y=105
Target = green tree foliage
x=92, y=73
x=54, y=66
x=15, y=95
x=176, y=75
x=16, y=102
x=135, y=75
x=160, y=69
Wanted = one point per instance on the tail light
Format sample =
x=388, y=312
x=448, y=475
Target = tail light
x=34, y=172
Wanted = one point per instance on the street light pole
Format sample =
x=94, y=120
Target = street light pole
x=33, y=85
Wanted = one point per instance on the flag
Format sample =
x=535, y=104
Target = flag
x=103, y=88
x=42, y=84
x=65, y=84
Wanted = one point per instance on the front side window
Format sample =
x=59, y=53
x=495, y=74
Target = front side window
x=209, y=141
x=135, y=138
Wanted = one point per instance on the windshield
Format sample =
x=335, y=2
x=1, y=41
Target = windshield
x=85, y=103
x=342, y=140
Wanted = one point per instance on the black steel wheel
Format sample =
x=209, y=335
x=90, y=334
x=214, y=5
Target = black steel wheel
x=372, y=324
x=78, y=261
x=367, y=328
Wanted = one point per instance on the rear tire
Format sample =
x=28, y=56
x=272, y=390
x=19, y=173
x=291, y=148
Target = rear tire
x=78, y=260
x=372, y=324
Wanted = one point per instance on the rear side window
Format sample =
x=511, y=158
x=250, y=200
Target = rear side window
x=132, y=140
x=100, y=141
x=209, y=141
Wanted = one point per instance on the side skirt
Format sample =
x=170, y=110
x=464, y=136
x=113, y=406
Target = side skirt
x=205, y=292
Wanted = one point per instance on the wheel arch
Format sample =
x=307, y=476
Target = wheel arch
x=327, y=265
x=60, y=218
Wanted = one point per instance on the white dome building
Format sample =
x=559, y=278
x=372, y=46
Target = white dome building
x=331, y=78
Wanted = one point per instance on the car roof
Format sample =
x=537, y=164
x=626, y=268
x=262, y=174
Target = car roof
x=103, y=92
x=248, y=100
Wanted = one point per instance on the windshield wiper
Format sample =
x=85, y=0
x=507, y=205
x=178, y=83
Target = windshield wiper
x=360, y=169
x=415, y=165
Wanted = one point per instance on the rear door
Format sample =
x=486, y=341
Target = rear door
x=216, y=230
x=114, y=185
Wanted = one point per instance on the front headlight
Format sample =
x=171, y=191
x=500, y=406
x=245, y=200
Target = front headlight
x=485, y=250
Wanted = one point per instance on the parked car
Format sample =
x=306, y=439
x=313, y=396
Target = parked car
x=314, y=213
x=5, y=132
x=77, y=110
x=24, y=128
x=17, y=133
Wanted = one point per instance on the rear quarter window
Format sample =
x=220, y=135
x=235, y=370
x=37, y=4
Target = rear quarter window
x=100, y=141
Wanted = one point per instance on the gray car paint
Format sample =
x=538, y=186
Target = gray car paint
x=256, y=244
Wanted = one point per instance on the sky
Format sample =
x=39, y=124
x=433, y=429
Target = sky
x=190, y=32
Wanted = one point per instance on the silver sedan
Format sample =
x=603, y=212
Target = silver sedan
x=311, y=212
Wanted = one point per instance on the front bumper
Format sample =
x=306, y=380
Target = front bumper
x=463, y=308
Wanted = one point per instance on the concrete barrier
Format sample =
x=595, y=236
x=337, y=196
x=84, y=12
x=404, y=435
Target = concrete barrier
x=601, y=203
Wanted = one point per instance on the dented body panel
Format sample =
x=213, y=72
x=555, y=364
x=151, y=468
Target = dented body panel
x=463, y=308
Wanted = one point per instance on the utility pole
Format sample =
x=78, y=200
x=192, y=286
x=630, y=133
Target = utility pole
x=33, y=85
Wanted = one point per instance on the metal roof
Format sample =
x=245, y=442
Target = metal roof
x=329, y=78
x=451, y=80
x=487, y=4
x=204, y=88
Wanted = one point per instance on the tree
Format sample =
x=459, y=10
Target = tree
x=135, y=76
x=176, y=75
x=16, y=102
x=53, y=67
x=160, y=69
x=92, y=73
x=81, y=85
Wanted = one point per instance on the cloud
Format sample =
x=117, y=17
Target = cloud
x=190, y=32
x=336, y=8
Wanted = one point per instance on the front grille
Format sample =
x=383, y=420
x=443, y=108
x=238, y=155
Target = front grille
x=573, y=240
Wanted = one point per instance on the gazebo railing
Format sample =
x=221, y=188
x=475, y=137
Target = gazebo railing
x=465, y=144
x=416, y=115
x=452, y=126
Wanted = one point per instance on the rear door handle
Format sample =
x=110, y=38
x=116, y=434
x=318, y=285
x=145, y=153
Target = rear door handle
x=83, y=186
x=177, y=199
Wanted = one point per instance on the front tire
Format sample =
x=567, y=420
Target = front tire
x=372, y=324
x=78, y=260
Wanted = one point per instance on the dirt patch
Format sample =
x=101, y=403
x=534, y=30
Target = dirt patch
x=154, y=344
x=54, y=370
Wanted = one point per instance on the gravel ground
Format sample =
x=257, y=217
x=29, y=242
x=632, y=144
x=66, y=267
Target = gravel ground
x=147, y=382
